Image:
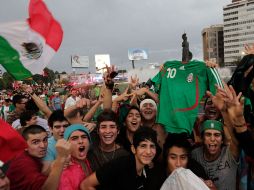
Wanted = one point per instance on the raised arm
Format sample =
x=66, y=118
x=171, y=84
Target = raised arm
x=38, y=101
x=79, y=104
x=89, y=115
x=63, y=151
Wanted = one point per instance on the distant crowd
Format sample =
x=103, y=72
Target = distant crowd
x=135, y=136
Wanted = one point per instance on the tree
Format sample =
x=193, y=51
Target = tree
x=38, y=79
x=49, y=76
x=8, y=80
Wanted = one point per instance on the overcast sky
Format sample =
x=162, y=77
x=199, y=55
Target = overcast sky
x=113, y=26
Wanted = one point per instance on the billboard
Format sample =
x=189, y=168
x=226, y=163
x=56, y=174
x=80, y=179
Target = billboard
x=78, y=61
x=101, y=60
x=137, y=54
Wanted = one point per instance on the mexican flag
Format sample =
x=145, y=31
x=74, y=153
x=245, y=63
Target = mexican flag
x=11, y=142
x=26, y=47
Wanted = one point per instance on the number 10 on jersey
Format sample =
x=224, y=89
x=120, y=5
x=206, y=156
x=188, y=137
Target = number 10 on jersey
x=171, y=72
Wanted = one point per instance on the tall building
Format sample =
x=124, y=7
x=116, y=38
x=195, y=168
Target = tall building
x=213, y=44
x=238, y=29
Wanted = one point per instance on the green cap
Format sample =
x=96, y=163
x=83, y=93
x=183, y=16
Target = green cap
x=212, y=124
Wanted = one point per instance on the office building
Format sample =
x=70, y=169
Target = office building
x=238, y=29
x=213, y=48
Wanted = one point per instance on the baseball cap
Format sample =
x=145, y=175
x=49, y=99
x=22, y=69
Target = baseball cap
x=212, y=124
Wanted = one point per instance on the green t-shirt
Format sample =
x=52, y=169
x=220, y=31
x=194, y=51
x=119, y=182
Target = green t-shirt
x=181, y=88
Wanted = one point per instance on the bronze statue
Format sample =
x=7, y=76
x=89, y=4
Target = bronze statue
x=186, y=54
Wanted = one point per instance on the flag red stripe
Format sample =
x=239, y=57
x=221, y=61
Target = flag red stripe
x=11, y=142
x=43, y=22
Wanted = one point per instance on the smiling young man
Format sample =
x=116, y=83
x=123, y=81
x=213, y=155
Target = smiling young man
x=129, y=172
x=106, y=149
x=79, y=168
x=24, y=171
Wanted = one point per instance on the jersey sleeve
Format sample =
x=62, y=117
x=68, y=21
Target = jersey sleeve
x=157, y=81
x=213, y=78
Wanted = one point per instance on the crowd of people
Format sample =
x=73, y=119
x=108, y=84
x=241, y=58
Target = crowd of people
x=130, y=139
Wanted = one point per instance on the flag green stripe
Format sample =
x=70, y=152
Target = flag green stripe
x=10, y=60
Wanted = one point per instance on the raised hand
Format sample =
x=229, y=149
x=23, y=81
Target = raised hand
x=83, y=103
x=211, y=64
x=63, y=149
x=235, y=105
x=217, y=100
x=109, y=76
x=124, y=96
x=141, y=91
x=27, y=88
x=134, y=81
x=249, y=49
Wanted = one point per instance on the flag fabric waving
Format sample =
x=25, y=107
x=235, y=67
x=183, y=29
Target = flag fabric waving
x=26, y=47
x=11, y=142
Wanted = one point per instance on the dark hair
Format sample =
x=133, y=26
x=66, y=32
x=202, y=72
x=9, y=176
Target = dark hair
x=107, y=115
x=30, y=105
x=7, y=100
x=129, y=109
x=32, y=129
x=57, y=115
x=26, y=116
x=17, y=99
x=143, y=134
x=179, y=140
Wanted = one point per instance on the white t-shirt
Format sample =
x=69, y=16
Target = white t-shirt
x=42, y=122
x=70, y=102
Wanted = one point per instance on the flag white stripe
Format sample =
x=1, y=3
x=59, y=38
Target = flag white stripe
x=17, y=33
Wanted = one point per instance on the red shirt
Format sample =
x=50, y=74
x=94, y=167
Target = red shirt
x=73, y=175
x=25, y=173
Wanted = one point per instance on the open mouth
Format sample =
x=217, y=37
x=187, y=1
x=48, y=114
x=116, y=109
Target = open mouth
x=81, y=149
x=43, y=151
x=148, y=112
x=134, y=123
x=212, y=147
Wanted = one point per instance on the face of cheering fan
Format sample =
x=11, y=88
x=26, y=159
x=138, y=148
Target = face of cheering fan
x=148, y=111
x=213, y=140
x=211, y=112
x=133, y=120
x=107, y=132
x=79, y=144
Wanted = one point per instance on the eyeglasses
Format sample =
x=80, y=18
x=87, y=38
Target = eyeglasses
x=59, y=126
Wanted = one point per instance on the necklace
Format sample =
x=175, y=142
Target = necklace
x=106, y=158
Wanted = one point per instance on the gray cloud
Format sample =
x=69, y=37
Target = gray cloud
x=112, y=26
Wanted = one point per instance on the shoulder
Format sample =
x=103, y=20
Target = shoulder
x=197, y=152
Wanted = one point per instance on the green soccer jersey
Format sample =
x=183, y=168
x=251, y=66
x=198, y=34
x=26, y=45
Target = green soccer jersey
x=181, y=87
